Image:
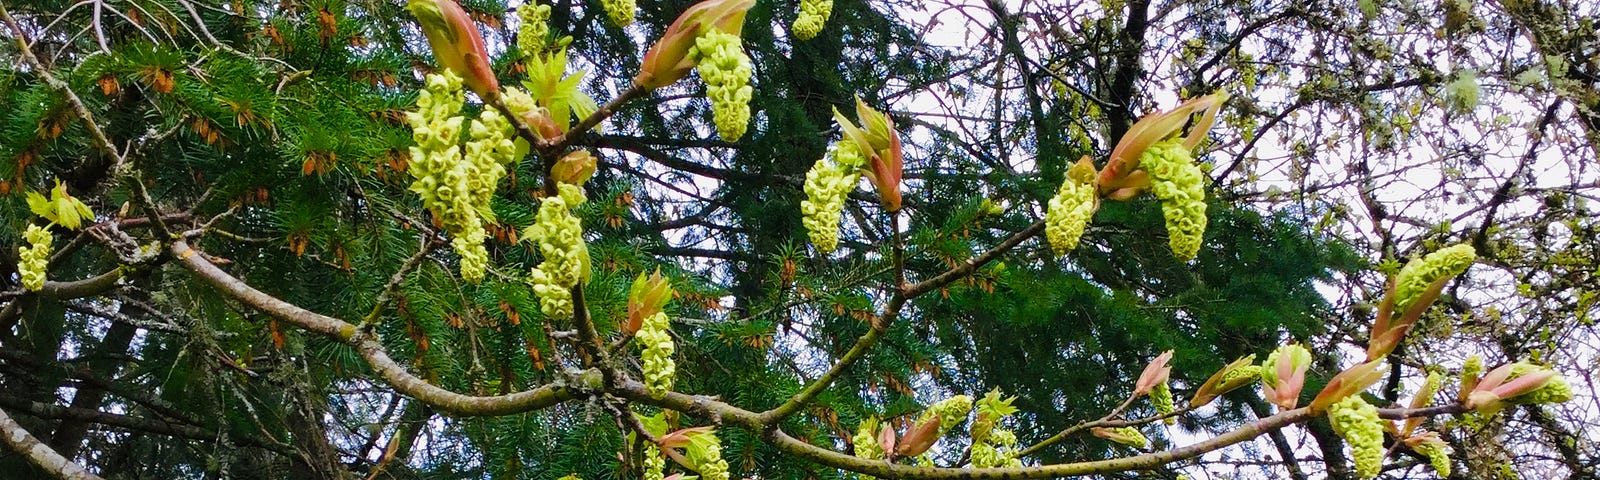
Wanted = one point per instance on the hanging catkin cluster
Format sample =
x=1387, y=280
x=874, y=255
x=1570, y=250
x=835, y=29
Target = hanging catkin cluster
x=559, y=235
x=654, y=465
x=1420, y=273
x=813, y=15
x=866, y=440
x=620, y=11
x=34, y=258
x=443, y=179
x=535, y=30
x=491, y=148
x=720, y=59
x=999, y=449
x=949, y=411
x=1358, y=423
x=1069, y=212
x=1161, y=398
x=712, y=466
x=655, y=358
x=827, y=184
x=1180, y=185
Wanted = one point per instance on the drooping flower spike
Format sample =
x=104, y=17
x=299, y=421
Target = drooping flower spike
x=1359, y=424
x=1124, y=435
x=34, y=258
x=813, y=16
x=456, y=44
x=1069, y=212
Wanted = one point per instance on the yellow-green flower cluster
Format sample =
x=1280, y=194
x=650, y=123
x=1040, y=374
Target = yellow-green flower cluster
x=491, y=148
x=654, y=465
x=454, y=187
x=813, y=15
x=949, y=411
x=1420, y=273
x=34, y=258
x=866, y=441
x=1358, y=423
x=656, y=357
x=712, y=466
x=991, y=409
x=1430, y=386
x=1180, y=185
x=1555, y=390
x=620, y=11
x=1128, y=436
x=827, y=184
x=535, y=29
x=720, y=59
x=1069, y=213
x=1248, y=371
x=1438, y=454
x=999, y=450
x=1161, y=398
x=559, y=235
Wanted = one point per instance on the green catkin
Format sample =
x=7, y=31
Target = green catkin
x=535, y=29
x=813, y=16
x=1555, y=390
x=654, y=465
x=866, y=441
x=656, y=357
x=999, y=450
x=559, y=235
x=829, y=181
x=620, y=11
x=1131, y=437
x=720, y=59
x=949, y=411
x=34, y=258
x=1438, y=454
x=1420, y=273
x=491, y=148
x=454, y=187
x=1180, y=185
x=712, y=466
x=1358, y=423
x=1248, y=371
x=1161, y=398
x=1068, y=214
